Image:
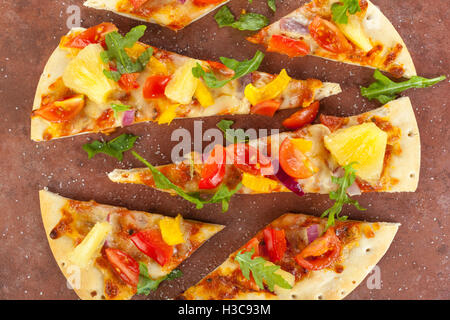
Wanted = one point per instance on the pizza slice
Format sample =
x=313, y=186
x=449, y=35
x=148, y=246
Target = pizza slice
x=173, y=14
x=108, y=252
x=297, y=258
x=351, y=31
x=97, y=80
x=377, y=151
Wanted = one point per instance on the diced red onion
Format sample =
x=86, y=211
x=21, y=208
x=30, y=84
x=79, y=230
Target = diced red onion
x=287, y=180
x=246, y=80
x=354, y=190
x=128, y=117
x=312, y=232
x=291, y=24
x=182, y=1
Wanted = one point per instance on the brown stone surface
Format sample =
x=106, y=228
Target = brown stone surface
x=415, y=267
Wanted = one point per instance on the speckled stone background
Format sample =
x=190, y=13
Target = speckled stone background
x=415, y=267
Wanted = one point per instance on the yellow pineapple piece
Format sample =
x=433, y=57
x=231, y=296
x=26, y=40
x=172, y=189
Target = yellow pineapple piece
x=90, y=246
x=182, y=87
x=354, y=31
x=84, y=74
x=364, y=144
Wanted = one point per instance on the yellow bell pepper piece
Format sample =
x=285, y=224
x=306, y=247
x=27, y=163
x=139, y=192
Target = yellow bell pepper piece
x=203, y=95
x=302, y=144
x=157, y=67
x=171, y=230
x=169, y=114
x=270, y=91
x=258, y=183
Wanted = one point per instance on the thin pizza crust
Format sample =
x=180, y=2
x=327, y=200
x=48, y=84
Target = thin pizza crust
x=111, y=5
x=58, y=62
x=357, y=261
x=403, y=168
x=86, y=281
x=377, y=27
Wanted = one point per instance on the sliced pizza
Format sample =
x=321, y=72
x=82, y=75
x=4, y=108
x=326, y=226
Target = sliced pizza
x=297, y=258
x=353, y=31
x=108, y=252
x=377, y=151
x=97, y=80
x=173, y=14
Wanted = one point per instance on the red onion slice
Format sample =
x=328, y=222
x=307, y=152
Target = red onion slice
x=128, y=117
x=293, y=25
x=312, y=232
x=287, y=180
x=354, y=190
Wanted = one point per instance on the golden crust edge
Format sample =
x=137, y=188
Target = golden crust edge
x=323, y=284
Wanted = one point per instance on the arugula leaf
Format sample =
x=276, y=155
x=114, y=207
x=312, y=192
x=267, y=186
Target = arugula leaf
x=232, y=135
x=261, y=270
x=341, y=197
x=119, y=108
x=222, y=195
x=116, y=52
x=272, y=5
x=339, y=10
x=240, y=69
x=146, y=284
x=385, y=90
x=248, y=21
x=114, y=148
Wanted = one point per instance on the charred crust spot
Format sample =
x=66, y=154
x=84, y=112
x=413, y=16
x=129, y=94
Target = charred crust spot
x=93, y=293
x=111, y=289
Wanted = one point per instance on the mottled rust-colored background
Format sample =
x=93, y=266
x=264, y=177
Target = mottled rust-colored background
x=415, y=267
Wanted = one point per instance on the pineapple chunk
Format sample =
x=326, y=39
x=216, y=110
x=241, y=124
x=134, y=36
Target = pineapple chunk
x=84, y=74
x=182, y=87
x=364, y=144
x=90, y=246
x=354, y=31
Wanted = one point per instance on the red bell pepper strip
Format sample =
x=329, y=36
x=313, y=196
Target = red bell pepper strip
x=275, y=241
x=213, y=170
x=288, y=46
x=155, y=86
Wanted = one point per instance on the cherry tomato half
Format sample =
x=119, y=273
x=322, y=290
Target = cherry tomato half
x=92, y=35
x=61, y=111
x=320, y=253
x=155, y=86
x=151, y=243
x=266, y=108
x=125, y=266
x=288, y=46
x=213, y=170
x=294, y=162
x=328, y=36
x=129, y=82
x=302, y=117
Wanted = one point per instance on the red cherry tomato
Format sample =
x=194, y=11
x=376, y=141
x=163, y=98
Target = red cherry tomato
x=302, y=117
x=328, y=36
x=138, y=3
x=125, y=266
x=92, y=35
x=155, y=86
x=275, y=241
x=294, y=162
x=129, y=82
x=266, y=108
x=320, y=253
x=151, y=243
x=61, y=111
x=249, y=159
x=288, y=46
x=214, y=168
x=253, y=244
